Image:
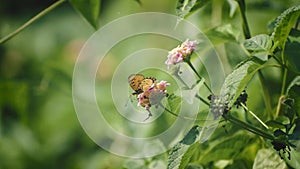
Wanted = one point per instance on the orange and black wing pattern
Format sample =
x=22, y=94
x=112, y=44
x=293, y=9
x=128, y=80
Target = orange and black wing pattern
x=139, y=83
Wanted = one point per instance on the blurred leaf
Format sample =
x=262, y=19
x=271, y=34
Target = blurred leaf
x=295, y=158
x=233, y=6
x=268, y=159
x=185, y=7
x=291, y=52
x=296, y=133
x=181, y=153
x=225, y=148
x=199, y=4
x=89, y=9
x=259, y=46
x=284, y=24
x=134, y=164
x=222, y=34
x=156, y=164
x=275, y=124
x=240, y=163
x=293, y=91
x=189, y=94
x=271, y=26
x=284, y=120
x=194, y=166
x=138, y=1
x=174, y=103
x=15, y=96
x=236, y=81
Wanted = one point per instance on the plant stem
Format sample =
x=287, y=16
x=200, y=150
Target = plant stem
x=285, y=73
x=201, y=99
x=248, y=127
x=257, y=118
x=195, y=71
x=247, y=35
x=197, y=96
x=29, y=22
x=246, y=29
x=176, y=115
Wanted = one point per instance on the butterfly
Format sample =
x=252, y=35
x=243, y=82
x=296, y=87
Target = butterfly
x=139, y=83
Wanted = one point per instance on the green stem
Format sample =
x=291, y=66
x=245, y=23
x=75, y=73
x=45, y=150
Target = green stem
x=197, y=96
x=247, y=35
x=28, y=23
x=285, y=73
x=254, y=115
x=176, y=115
x=246, y=29
x=201, y=99
x=195, y=71
x=248, y=127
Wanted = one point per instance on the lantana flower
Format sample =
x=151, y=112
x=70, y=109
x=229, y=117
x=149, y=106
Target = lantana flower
x=181, y=52
x=153, y=95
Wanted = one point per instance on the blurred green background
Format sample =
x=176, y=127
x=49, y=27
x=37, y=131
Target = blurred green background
x=38, y=124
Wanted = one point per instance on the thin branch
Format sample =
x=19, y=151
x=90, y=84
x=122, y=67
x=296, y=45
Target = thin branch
x=28, y=23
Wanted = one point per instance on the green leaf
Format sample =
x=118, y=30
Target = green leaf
x=259, y=46
x=186, y=7
x=194, y=166
x=275, y=124
x=295, y=159
x=236, y=81
x=268, y=159
x=134, y=164
x=279, y=122
x=11, y=92
x=284, y=23
x=188, y=154
x=291, y=51
x=226, y=148
x=296, y=133
x=181, y=153
x=174, y=103
x=293, y=92
x=223, y=34
x=89, y=9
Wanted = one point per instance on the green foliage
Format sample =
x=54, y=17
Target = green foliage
x=259, y=46
x=268, y=159
x=236, y=81
x=186, y=7
x=89, y=9
x=181, y=153
x=174, y=103
x=222, y=34
x=291, y=51
x=284, y=24
x=39, y=128
x=226, y=148
x=293, y=92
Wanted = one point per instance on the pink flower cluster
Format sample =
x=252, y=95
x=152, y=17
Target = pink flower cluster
x=181, y=52
x=153, y=95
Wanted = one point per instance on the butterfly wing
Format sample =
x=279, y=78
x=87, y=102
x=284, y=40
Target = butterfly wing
x=146, y=83
x=134, y=81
